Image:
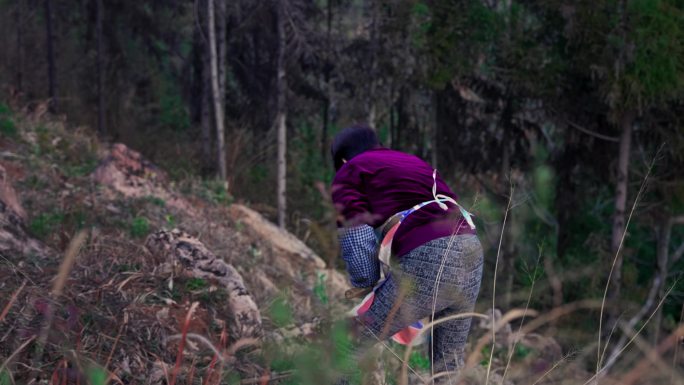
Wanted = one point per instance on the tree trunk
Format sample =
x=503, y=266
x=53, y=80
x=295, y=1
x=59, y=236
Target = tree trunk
x=391, y=125
x=664, y=261
x=221, y=28
x=205, y=105
x=49, y=42
x=325, y=151
x=216, y=97
x=221, y=47
x=281, y=112
x=195, y=74
x=620, y=204
x=19, y=18
x=662, y=257
x=370, y=104
x=101, y=129
x=566, y=199
x=434, y=134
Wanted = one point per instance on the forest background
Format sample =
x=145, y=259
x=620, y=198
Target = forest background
x=563, y=120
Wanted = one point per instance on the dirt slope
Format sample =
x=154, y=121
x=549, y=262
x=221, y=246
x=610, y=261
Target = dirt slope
x=152, y=249
x=158, y=259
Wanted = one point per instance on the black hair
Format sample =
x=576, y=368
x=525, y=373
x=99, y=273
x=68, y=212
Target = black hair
x=352, y=141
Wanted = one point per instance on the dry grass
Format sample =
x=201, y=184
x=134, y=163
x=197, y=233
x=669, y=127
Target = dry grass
x=599, y=354
x=11, y=301
x=107, y=301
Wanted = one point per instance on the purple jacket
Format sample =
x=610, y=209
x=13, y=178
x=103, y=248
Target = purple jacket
x=378, y=183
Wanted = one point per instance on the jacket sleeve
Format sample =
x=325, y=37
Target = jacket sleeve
x=359, y=250
x=348, y=196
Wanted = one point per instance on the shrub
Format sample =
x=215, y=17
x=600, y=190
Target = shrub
x=319, y=289
x=44, y=224
x=140, y=227
x=7, y=126
x=195, y=284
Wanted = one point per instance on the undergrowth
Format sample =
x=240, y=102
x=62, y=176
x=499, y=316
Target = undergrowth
x=112, y=322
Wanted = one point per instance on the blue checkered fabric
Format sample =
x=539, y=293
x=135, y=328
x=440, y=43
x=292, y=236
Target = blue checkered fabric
x=359, y=250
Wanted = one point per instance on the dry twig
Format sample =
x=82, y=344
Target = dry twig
x=11, y=301
x=496, y=268
x=181, y=347
x=599, y=355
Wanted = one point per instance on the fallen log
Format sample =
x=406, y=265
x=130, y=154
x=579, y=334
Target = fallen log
x=197, y=261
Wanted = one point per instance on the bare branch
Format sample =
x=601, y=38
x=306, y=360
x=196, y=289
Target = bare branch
x=588, y=131
x=616, y=353
x=678, y=220
x=592, y=133
x=678, y=253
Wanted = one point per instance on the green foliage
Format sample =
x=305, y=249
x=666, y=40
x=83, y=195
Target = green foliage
x=155, y=200
x=96, y=376
x=635, y=60
x=81, y=169
x=313, y=362
x=78, y=218
x=308, y=170
x=5, y=110
x=258, y=174
x=170, y=220
x=280, y=312
x=215, y=191
x=87, y=319
x=44, y=224
x=211, y=297
x=35, y=182
x=194, y=284
x=5, y=378
x=529, y=273
x=521, y=352
x=140, y=227
x=172, y=109
x=319, y=289
x=124, y=267
x=656, y=73
x=544, y=186
x=419, y=360
x=342, y=359
x=422, y=22
x=7, y=126
x=42, y=146
x=486, y=352
x=231, y=378
x=239, y=226
x=449, y=49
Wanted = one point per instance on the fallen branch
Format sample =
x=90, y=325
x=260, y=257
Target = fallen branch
x=19, y=349
x=672, y=340
x=487, y=337
x=11, y=301
x=638, y=317
x=605, y=368
x=267, y=379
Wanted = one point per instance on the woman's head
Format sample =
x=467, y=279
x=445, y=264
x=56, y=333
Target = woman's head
x=351, y=142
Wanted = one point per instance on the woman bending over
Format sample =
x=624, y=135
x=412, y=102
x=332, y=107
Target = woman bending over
x=436, y=257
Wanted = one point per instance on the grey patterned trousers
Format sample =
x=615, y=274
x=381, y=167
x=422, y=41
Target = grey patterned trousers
x=442, y=276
